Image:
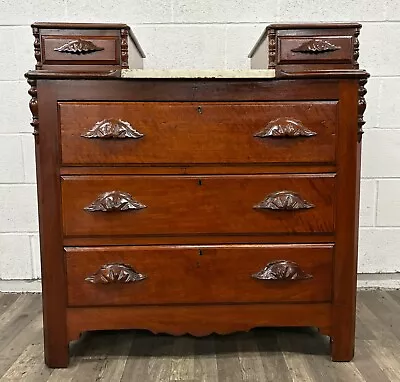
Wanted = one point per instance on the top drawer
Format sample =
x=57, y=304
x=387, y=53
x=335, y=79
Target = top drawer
x=104, y=133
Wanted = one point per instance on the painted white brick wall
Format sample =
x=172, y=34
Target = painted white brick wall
x=203, y=34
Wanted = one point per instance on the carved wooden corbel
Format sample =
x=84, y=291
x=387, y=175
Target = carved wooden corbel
x=362, y=104
x=34, y=107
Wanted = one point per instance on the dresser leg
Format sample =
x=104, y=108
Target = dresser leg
x=57, y=355
x=342, y=349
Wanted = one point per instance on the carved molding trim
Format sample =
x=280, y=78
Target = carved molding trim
x=271, y=48
x=362, y=104
x=316, y=47
x=79, y=46
x=284, y=200
x=282, y=270
x=112, y=128
x=115, y=273
x=36, y=47
x=124, y=49
x=114, y=201
x=285, y=127
x=34, y=107
x=356, y=47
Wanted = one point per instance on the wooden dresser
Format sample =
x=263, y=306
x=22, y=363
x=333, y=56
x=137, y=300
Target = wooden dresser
x=197, y=201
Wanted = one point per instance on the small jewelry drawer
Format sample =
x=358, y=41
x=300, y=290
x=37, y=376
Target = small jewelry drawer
x=81, y=49
x=310, y=49
x=294, y=47
x=85, y=47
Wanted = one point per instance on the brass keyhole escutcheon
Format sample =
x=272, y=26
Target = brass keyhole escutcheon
x=199, y=110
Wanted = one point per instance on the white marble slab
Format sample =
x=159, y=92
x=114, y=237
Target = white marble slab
x=154, y=73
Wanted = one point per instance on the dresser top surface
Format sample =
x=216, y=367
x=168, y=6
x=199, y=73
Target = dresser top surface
x=149, y=74
x=52, y=25
x=183, y=73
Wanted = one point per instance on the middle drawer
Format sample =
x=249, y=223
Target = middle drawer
x=197, y=205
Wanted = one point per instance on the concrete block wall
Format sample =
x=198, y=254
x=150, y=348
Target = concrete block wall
x=203, y=34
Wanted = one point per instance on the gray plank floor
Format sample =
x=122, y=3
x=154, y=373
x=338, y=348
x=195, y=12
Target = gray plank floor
x=265, y=354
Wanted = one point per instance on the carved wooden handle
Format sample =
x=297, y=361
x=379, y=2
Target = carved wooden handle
x=284, y=200
x=282, y=270
x=114, y=201
x=115, y=273
x=78, y=46
x=112, y=128
x=316, y=47
x=284, y=127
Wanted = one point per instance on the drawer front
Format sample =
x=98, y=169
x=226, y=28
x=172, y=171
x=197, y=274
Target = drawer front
x=174, y=205
x=81, y=50
x=312, y=49
x=204, y=132
x=209, y=274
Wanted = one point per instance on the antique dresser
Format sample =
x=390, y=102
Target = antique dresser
x=197, y=201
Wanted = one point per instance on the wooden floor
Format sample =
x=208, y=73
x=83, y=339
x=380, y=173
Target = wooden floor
x=265, y=354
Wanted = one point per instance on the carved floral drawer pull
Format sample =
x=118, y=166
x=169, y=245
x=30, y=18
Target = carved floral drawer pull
x=316, y=47
x=114, y=201
x=78, y=46
x=115, y=273
x=284, y=200
x=282, y=270
x=285, y=127
x=112, y=128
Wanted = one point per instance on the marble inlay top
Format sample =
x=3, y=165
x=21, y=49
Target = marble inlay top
x=192, y=73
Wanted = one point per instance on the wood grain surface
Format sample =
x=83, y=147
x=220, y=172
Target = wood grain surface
x=198, y=132
x=181, y=275
x=197, y=205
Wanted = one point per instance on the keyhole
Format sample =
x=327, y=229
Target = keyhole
x=199, y=110
x=200, y=182
x=200, y=252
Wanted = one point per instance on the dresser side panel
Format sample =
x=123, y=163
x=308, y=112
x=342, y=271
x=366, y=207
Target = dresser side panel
x=345, y=259
x=49, y=200
x=260, y=58
x=135, y=59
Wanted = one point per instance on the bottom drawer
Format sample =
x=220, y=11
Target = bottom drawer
x=198, y=274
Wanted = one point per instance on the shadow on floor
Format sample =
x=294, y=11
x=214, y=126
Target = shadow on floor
x=143, y=343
